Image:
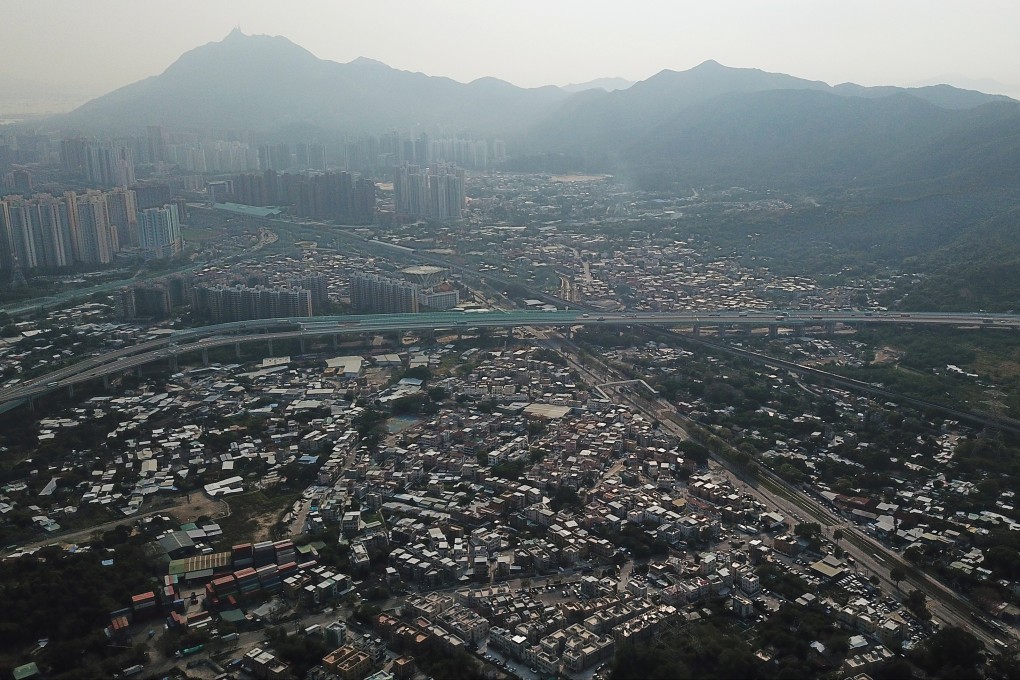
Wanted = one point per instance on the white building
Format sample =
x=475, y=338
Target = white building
x=159, y=232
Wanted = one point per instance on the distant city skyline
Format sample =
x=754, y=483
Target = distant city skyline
x=88, y=49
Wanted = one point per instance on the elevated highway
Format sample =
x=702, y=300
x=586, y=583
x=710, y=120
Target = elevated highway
x=170, y=346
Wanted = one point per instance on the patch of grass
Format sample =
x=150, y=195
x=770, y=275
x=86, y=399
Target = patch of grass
x=197, y=235
x=250, y=512
x=999, y=367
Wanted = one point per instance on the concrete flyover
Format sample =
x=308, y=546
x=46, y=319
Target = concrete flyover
x=203, y=338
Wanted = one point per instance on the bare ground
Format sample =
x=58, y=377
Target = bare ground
x=184, y=509
x=197, y=505
x=886, y=355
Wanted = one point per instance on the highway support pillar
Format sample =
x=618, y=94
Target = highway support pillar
x=302, y=341
x=270, y=347
x=205, y=357
x=106, y=382
x=697, y=330
x=335, y=341
x=173, y=363
x=31, y=403
x=70, y=391
x=773, y=331
x=237, y=350
x=830, y=328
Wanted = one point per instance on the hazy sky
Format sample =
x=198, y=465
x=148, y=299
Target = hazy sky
x=103, y=44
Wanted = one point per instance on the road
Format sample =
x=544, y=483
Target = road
x=946, y=605
x=875, y=558
x=85, y=535
x=267, y=330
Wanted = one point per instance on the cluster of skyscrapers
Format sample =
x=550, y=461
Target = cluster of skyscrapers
x=324, y=196
x=435, y=192
x=101, y=163
x=151, y=301
x=217, y=155
x=385, y=151
x=304, y=156
x=302, y=296
x=46, y=231
x=109, y=210
x=111, y=162
x=381, y=294
x=159, y=232
x=221, y=304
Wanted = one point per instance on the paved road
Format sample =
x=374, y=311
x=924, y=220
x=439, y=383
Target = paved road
x=945, y=604
x=267, y=330
x=85, y=535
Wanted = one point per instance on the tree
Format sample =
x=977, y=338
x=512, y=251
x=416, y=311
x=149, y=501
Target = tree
x=565, y=497
x=509, y=469
x=420, y=372
x=985, y=598
x=897, y=669
x=950, y=653
x=1005, y=665
x=1004, y=561
x=692, y=449
x=916, y=602
x=837, y=535
x=897, y=574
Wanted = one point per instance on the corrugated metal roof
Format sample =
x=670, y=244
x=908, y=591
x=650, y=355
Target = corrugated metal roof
x=199, y=563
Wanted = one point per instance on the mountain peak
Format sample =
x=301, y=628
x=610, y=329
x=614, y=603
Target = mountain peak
x=263, y=82
x=708, y=64
x=607, y=84
x=366, y=61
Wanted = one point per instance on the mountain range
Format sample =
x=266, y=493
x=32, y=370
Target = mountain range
x=709, y=124
x=266, y=83
x=912, y=177
x=607, y=84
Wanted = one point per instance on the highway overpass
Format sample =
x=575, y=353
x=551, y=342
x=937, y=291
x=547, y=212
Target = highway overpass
x=202, y=338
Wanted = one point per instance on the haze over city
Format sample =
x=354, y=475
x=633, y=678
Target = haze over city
x=509, y=340
x=86, y=49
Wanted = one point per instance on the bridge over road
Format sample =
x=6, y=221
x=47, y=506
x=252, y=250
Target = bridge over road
x=171, y=346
